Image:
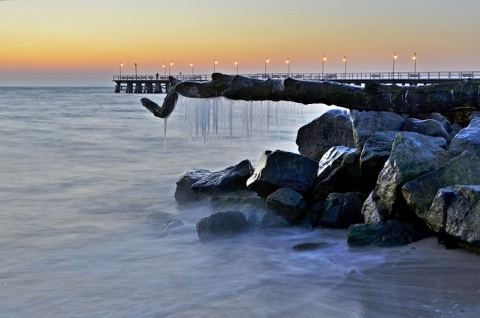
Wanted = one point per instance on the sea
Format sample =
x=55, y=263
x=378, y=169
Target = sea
x=89, y=226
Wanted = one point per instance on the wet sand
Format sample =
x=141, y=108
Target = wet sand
x=422, y=279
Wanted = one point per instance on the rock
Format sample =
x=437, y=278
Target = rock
x=455, y=130
x=370, y=211
x=183, y=191
x=310, y=246
x=427, y=127
x=366, y=123
x=339, y=171
x=230, y=179
x=375, y=153
x=221, y=224
x=462, y=118
x=255, y=210
x=340, y=210
x=467, y=139
x=419, y=193
x=412, y=155
x=437, y=117
x=332, y=128
x=279, y=169
x=383, y=234
x=289, y=204
x=455, y=212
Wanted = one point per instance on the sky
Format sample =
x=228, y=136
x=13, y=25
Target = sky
x=84, y=42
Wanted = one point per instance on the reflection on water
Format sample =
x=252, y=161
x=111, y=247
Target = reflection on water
x=90, y=227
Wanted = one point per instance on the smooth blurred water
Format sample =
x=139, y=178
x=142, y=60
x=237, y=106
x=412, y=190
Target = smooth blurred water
x=86, y=199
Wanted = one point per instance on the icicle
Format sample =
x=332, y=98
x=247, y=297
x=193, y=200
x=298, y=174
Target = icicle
x=165, y=135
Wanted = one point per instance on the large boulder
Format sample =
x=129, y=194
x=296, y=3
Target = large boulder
x=455, y=213
x=377, y=150
x=412, y=155
x=279, y=169
x=419, y=193
x=429, y=127
x=375, y=153
x=338, y=171
x=221, y=224
x=230, y=179
x=366, y=123
x=467, y=138
x=183, y=192
x=255, y=210
x=289, y=204
x=383, y=234
x=332, y=128
x=340, y=210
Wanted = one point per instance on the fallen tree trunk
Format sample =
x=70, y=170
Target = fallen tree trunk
x=442, y=98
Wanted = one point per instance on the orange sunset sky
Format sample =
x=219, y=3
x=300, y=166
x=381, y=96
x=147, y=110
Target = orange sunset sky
x=82, y=42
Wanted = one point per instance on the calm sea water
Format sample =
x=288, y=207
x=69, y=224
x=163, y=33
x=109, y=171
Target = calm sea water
x=86, y=199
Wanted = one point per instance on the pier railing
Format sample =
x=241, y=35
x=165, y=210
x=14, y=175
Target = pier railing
x=381, y=76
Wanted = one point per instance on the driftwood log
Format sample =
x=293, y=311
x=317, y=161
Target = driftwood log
x=443, y=98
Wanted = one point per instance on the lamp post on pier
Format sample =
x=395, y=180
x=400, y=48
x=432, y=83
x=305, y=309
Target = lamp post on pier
x=164, y=70
x=215, y=62
x=236, y=65
x=414, y=58
x=323, y=65
x=266, y=62
x=345, y=64
x=169, y=67
x=288, y=65
x=395, y=56
x=193, y=70
x=121, y=65
x=135, y=70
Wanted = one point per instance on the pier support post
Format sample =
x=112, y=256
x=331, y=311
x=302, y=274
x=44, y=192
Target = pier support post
x=138, y=87
x=129, y=88
x=118, y=87
x=149, y=88
x=157, y=88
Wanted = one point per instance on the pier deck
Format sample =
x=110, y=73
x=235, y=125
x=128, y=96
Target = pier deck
x=151, y=84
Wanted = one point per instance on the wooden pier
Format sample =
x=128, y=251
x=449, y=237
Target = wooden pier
x=151, y=84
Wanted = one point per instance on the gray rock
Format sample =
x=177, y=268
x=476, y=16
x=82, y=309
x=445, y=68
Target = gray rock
x=467, y=139
x=366, y=123
x=340, y=210
x=377, y=150
x=375, y=153
x=311, y=246
x=183, y=191
x=427, y=127
x=383, y=234
x=339, y=171
x=230, y=179
x=455, y=130
x=455, y=212
x=412, y=155
x=370, y=211
x=333, y=128
x=280, y=169
x=438, y=117
x=289, y=204
x=221, y=224
x=419, y=193
x=255, y=210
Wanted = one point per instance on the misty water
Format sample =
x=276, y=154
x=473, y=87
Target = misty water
x=89, y=226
